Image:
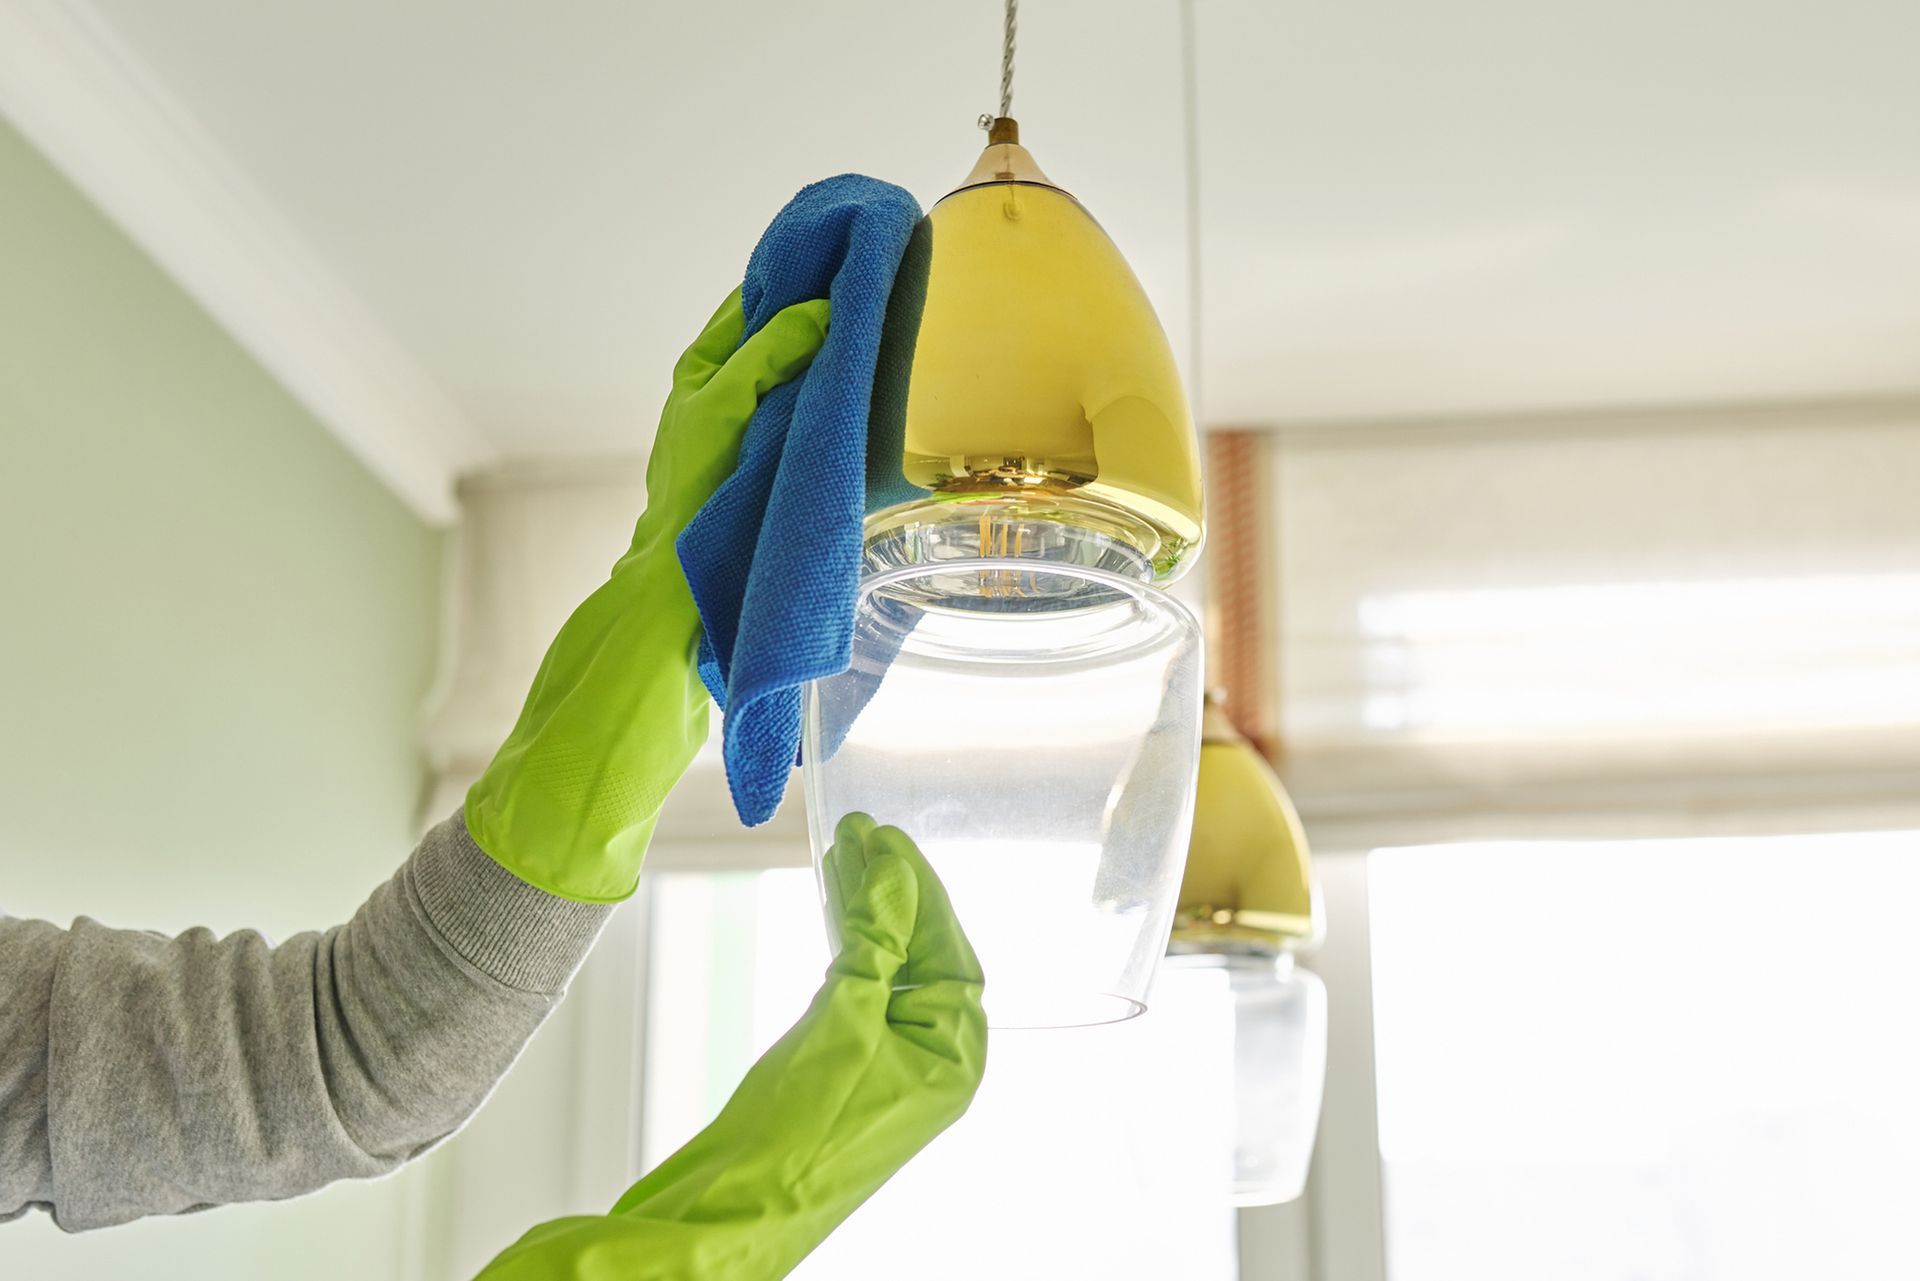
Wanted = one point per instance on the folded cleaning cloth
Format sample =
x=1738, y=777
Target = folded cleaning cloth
x=773, y=558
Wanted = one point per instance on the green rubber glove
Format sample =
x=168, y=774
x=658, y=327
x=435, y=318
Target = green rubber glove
x=618, y=711
x=866, y=1078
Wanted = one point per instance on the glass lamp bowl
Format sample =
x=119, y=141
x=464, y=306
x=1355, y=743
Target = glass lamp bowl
x=1266, y=1020
x=1034, y=726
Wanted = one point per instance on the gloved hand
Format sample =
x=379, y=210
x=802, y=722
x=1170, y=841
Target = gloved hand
x=618, y=711
x=866, y=1078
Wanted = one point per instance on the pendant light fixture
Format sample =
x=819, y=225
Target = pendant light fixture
x=1248, y=902
x=1045, y=416
x=1024, y=701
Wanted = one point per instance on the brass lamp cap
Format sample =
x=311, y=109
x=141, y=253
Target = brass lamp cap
x=1005, y=160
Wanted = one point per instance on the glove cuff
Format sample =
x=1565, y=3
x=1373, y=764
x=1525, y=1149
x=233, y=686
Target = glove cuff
x=515, y=933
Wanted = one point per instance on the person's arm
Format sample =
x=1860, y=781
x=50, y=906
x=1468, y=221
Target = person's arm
x=887, y=1056
x=148, y=1075
x=145, y=1075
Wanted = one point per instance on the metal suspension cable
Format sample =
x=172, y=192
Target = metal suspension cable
x=1006, y=58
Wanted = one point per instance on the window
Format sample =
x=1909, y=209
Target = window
x=1656, y=1060
x=1768, y=654
x=1084, y=1154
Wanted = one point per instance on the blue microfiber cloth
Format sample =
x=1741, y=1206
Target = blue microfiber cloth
x=773, y=558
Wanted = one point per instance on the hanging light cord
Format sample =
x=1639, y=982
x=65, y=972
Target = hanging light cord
x=1006, y=59
x=1006, y=70
x=1190, y=128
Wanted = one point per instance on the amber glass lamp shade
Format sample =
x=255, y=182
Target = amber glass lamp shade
x=1249, y=878
x=1045, y=417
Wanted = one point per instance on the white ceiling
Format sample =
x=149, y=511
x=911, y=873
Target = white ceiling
x=515, y=215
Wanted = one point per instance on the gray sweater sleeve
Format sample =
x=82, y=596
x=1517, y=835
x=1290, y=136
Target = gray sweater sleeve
x=147, y=1075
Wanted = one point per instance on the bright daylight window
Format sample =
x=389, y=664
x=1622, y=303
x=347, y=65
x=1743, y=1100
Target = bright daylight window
x=1084, y=1154
x=1759, y=654
x=1664, y=1060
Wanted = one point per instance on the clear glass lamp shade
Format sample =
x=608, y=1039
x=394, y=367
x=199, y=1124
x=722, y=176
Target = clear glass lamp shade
x=1034, y=726
x=1257, y=1026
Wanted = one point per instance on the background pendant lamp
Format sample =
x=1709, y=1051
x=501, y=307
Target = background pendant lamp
x=1246, y=905
x=1248, y=901
x=1024, y=701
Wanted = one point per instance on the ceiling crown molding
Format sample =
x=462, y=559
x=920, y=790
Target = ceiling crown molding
x=71, y=85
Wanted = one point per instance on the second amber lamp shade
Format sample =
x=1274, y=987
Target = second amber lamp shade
x=1043, y=390
x=1249, y=881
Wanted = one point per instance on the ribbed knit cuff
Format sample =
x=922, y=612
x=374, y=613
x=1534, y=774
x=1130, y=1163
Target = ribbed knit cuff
x=523, y=937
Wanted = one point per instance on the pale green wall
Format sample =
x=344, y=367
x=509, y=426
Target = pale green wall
x=216, y=629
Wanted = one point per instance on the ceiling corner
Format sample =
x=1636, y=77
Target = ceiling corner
x=79, y=94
